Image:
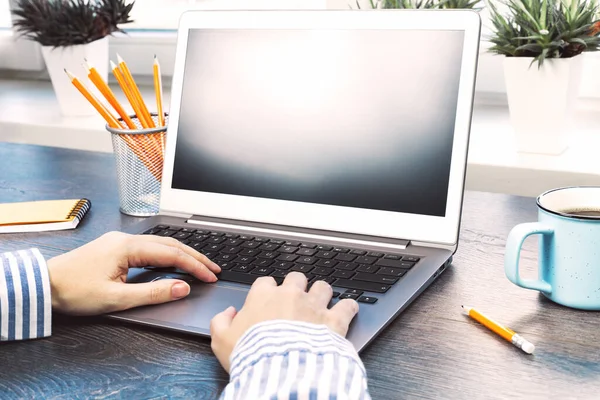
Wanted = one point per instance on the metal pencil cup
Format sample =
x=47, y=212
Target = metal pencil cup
x=139, y=155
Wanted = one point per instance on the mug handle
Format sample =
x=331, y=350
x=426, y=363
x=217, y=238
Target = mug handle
x=513, y=250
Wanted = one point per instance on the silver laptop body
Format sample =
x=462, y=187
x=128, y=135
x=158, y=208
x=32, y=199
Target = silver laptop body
x=329, y=142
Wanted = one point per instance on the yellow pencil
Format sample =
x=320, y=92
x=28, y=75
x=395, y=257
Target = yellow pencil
x=502, y=331
x=159, y=92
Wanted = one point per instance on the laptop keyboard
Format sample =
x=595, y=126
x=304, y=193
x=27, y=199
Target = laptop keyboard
x=244, y=258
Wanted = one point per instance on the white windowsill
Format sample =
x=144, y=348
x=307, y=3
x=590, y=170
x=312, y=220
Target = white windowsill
x=29, y=114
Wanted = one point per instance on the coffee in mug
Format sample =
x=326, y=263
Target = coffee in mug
x=569, y=249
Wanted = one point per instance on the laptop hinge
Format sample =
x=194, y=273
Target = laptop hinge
x=308, y=234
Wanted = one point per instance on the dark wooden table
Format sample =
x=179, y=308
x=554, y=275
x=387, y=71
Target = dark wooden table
x=430, y=351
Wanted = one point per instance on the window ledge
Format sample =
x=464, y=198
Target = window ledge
x=29, y=113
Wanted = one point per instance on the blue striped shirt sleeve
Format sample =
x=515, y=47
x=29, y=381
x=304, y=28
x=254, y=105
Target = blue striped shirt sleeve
x=25, y=299
x=295, y=360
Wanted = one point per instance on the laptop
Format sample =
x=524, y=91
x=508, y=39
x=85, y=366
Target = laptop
x=333, y=143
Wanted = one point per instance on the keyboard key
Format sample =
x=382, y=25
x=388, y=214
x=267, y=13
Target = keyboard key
x=166, y=233
x=362, y=285
x=216, y=234
x=326, y=254
x=288, y=249
x=346, y=266
x=283, y=265
x=246, y=237
x=353, y=291
x=306, y=260
x=209, y=254
x=186, y=241
x=216, y=239
x=279, y=273
x=233, y=242
x=375, y=254
x=231, y=276
x=175, y=228
x=214, y=247
x=335, y=294
x=343, y=274
x=411, y=259
x=224, y=257
x=292, y=243
x=358, y=252
x=323, y=262
x=302, y=268
x=323, y=271
x=277, y=241
x=371, y=269
x=249, y=252
x=306, y=252
x=226, y=265
x=199, y=238
x=262, y=271
x=392, y=257
x=392, y=271
x=365, y=260
x=243, y=268
x=188, y=230
x=376, y=278
x=162, y=226
x=340, y=250
x=268, y=254
x=324, y=248
x=231, y=250
x=197, y=245
x=261, y=240
x=287, y=257
x=348, y=296
x=269, y=247
x=231, y=235
x=384, y=262
x=251, y=244
x=152, y=231
x=308, y=245
x=367, y=299
x=244, y=259
x=263, y=262
x=327, y=279
x=345, y=257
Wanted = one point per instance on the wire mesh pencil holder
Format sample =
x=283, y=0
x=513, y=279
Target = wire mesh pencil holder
x=139, y=155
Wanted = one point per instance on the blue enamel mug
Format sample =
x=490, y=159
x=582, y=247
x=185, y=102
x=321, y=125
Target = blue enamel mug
x=569, y=247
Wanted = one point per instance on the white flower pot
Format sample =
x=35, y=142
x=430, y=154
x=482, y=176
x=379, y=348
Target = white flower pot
x=70, y=100
x=541, y=102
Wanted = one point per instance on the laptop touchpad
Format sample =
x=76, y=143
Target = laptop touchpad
x=192, y=313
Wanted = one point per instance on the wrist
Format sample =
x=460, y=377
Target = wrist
x=54, y=287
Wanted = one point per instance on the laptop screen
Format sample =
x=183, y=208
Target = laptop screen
x=353, y=118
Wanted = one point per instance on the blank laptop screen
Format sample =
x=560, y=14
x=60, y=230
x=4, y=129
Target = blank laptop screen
x=354, y=118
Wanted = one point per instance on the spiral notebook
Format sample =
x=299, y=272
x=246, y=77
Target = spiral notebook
x=44, y=215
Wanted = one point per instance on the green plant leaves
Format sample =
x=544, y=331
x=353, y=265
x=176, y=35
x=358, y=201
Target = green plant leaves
x=544, y=29
x=60, y=23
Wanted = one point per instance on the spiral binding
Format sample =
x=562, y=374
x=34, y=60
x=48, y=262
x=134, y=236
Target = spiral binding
x=80, y=209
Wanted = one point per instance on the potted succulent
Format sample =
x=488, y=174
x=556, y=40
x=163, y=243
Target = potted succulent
x=71, y=31
x=422, y=4
x=542, y=41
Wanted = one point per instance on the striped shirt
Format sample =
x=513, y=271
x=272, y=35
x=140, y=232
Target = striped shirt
x=25, y=301
x=272, y=360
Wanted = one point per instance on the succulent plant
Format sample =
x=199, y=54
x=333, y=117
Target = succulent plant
x=60, y=23
x=544, y=29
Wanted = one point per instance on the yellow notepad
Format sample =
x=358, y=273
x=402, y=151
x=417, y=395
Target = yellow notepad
x=45, y=215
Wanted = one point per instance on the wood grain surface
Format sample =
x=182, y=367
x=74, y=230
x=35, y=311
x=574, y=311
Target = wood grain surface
x=430, y=351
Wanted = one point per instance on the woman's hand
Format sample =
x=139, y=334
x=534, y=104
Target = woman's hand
x=91, y=279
